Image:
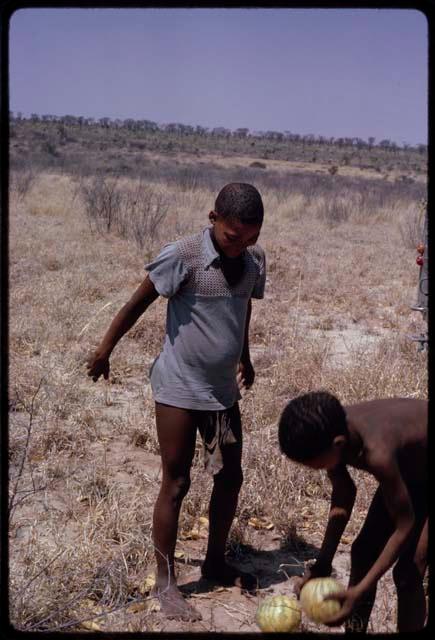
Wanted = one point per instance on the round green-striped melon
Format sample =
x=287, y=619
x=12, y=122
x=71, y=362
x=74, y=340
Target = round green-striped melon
x=312, y=599
x=279, y=613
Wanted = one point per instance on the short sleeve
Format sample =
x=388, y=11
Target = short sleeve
x=167, y=271
x=260, y=283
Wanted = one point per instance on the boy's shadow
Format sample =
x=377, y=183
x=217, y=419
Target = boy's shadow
x=270, y=566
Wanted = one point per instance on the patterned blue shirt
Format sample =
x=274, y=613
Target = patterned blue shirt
x=205, y=322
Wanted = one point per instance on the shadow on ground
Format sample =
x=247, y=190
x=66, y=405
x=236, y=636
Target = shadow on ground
x=271, y=566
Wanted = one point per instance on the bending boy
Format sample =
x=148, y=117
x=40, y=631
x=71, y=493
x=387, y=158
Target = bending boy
x=387, y=438
x=209, y=279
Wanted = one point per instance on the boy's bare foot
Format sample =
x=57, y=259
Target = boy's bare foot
x=173, y=605
x=229, y=576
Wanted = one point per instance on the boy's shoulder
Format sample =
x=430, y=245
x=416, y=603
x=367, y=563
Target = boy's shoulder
x=191, y=246
x=257, y=253
x=193, y=239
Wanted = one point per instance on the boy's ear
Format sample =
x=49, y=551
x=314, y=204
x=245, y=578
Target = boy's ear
x=212, y=216
x=339, y=442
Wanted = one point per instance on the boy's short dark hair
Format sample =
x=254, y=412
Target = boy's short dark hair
x=240, y=201
x=309, y=424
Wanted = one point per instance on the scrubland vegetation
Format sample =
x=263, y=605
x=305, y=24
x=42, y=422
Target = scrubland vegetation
x=88, y=207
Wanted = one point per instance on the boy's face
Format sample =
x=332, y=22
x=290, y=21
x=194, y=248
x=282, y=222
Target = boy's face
x=329, y=458
x=232, y=236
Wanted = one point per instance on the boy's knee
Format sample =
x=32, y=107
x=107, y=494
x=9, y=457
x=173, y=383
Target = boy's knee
x=230, y=479
x=361, y=554
x=178, y=487
x=420, y=561
x=406, y=575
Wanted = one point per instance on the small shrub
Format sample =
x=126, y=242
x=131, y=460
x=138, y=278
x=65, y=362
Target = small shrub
x=335, y=211
x=412, y=229
x=143, y=210
x=20, y=182
x=102, y=202
x=188, y=179
x=134, y=213
x=258, y=165
x=50, y=148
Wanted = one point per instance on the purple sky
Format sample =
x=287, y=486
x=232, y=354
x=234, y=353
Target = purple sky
x=333, y=72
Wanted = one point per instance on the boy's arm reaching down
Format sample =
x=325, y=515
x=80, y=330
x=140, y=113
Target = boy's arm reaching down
x=399, y=506
x=342, y=501
x=98, y=362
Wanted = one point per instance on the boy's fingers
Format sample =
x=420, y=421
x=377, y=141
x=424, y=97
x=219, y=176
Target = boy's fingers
x=340, y=596
x=339, y=618
x=335, y=622
x=298, y=584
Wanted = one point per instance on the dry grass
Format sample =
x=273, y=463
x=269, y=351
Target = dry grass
x=84, y=469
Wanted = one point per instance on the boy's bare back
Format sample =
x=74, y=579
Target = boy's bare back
x=387, y=438
x=393, y=430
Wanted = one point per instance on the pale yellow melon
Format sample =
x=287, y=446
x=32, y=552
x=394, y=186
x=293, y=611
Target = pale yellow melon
x=278, y=613
x=312, y=599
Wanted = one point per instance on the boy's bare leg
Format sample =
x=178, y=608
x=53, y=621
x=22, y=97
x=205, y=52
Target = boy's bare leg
x=176, y=432
x=223, y=504
x=369, y=543
x=408, y=576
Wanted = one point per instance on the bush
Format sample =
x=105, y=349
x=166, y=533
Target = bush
x=258, y=165
x=335, y=211
x=412, y=230
x=102, y=202
x=143, y=210
x=20, y=182
x=133, y=212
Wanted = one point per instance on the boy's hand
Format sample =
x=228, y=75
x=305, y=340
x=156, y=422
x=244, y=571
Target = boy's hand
x=347, y=599
x=317, y=570
x=97, y=365
x=245, y=375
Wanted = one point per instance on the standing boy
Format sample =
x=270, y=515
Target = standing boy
x=387, y=438
x=209, y=279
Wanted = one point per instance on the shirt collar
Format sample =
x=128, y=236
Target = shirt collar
x=210, y=253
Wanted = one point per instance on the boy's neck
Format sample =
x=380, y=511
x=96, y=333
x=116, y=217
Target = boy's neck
x=215, y=244
x=354, y=453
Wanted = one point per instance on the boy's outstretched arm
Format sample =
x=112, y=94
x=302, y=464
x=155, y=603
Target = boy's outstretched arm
x=399, y=505
x=342, y=501
x=98, y=362
x=246, y=373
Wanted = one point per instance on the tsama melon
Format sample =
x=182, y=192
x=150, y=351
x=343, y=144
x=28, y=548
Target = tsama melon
x=279, y=613
x=312, y=599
